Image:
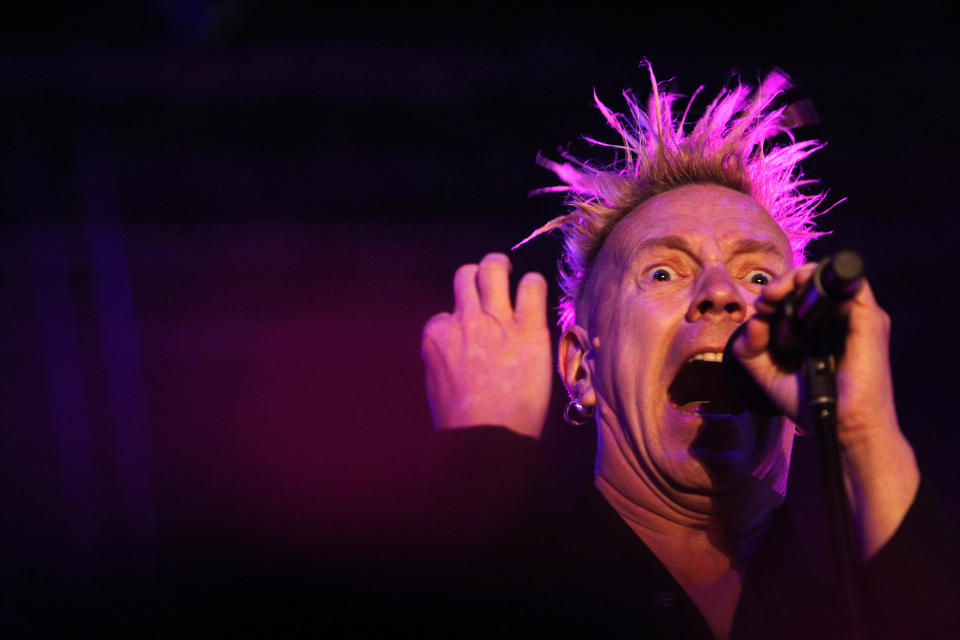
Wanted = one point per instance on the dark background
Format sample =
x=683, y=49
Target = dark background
x=224, y=223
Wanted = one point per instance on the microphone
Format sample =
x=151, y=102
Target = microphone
x=806, y=322
x=809, y=321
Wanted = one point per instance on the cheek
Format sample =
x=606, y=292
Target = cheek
x=635, y=338
x=750, y=296
x=633, y=351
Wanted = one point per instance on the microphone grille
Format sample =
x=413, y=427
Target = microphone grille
x=841, y=279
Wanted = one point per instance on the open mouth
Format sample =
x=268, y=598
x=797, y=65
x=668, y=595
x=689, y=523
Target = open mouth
x=702, y=387
x=707, y=386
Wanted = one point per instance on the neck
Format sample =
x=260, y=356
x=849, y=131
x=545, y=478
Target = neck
x=703, y=537
x=698, y=535
x=696, y=551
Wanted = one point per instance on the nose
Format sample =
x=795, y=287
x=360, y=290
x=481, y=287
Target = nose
x=717, y=297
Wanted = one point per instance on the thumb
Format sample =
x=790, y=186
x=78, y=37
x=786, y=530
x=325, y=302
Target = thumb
x=753, y=340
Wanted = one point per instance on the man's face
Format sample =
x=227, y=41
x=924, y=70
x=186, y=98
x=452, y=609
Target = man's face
x=672, y=282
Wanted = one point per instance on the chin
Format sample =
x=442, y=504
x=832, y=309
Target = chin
x=725, y=470
x=734, y=451
x=707, y=473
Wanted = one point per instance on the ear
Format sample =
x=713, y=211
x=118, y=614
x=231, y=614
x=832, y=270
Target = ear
x=576, y=365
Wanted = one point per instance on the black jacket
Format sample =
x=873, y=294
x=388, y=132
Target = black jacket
x=509, y=559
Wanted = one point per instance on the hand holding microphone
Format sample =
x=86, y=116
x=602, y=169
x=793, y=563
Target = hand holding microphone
x=808, y=321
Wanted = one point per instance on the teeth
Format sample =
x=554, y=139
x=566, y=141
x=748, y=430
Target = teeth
x=709, y=356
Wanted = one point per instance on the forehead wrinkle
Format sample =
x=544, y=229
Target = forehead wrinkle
x=672, y=241
x=754, y=244
x=739, y=246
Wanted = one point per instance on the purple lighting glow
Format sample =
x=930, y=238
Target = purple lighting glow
x=657, y=151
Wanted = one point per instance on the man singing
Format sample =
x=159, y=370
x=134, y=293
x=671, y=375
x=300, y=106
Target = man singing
x=697, y=229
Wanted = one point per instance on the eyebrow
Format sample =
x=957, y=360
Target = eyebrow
x=755, y=245
x=680, y=243
x=666, y=242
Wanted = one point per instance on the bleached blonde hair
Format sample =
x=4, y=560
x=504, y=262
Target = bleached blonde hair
x=731, y=145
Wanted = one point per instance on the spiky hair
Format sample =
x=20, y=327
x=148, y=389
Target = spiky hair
x=731, y=145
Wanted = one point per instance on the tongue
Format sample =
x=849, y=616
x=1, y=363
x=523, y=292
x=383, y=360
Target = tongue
x=706, y=407
x=691, y=407
x=701, y=387
x=710, y=388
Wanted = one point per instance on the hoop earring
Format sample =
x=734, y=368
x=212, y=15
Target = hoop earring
x=576, y=414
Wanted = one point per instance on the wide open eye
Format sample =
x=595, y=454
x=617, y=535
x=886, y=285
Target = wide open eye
x=759, y=277
x=662, y=274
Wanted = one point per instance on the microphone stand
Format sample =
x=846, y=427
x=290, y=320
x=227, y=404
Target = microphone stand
x=807, y=334
x=808, y=331
x=820, y=377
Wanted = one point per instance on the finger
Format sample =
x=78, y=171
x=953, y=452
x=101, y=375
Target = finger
x=764, y=307
x=863, y=299
x=865, y=295
x=466, y=300
x=754, y=340
x=435, y=328
x=790, y=281
x=865, y=313
x=493, y=284
x=532, y=300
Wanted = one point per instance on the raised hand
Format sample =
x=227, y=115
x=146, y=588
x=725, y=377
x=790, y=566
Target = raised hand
x=488, y=363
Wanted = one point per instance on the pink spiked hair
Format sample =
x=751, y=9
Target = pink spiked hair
x=730, y=145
